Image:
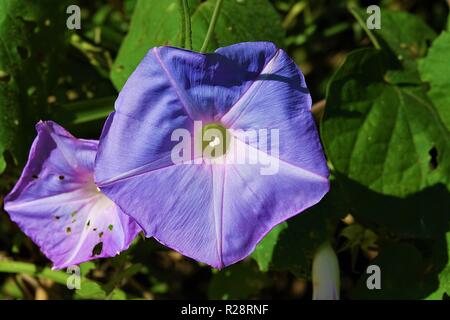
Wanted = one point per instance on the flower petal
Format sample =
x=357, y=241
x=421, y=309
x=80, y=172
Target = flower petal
x=56, y=203
x=279, y=100
x=174, y=205
x=254, y=203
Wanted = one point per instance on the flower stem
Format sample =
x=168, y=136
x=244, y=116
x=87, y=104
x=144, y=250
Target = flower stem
x=30, y=269
x=183, y=24
x=361, y=22
x=186, y=32
x=212, y=25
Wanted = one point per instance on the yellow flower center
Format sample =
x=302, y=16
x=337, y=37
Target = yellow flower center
x=215, y=140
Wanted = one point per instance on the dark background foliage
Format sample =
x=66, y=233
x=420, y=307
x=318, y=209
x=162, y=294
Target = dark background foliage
x=382, y=104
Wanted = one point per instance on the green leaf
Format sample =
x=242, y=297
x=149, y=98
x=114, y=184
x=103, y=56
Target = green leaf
x=30, y=46
x=153, y=23
x=405, y=34
x=387, y=144
x=86, y=267
x=239, y=281
x=156, y=23
x=405, y=37
x=263, y=253
x=257, y=21
x=90, y=290
x=117, y=294
x=435, y=69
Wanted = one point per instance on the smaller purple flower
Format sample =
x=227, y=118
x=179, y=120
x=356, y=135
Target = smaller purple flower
x=57, y=204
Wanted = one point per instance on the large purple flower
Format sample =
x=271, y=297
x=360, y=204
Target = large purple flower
x=57, y=204
x=213, y=211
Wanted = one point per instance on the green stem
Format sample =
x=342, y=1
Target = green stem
x=60, y=277
x=183, y=23
x=212, y=25
x=186, y=39
x=30, y=269
x=293, y=13
x=362, y=23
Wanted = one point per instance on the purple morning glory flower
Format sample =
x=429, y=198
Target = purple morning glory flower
x=57, y=204
x=213, y=211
